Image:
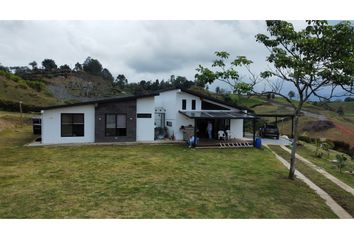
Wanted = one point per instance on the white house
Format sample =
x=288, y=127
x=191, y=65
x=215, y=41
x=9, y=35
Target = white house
x=170, y=114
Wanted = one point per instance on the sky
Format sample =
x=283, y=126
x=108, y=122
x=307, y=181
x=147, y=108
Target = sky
x=141, y=50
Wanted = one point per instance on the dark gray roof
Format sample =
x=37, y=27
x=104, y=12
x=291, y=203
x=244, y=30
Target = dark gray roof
x=106, y=100
x=217, y=114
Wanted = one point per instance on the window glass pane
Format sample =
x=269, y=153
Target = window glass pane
x=66, y=118
x=110, y=121
x=193, y=104
x=78, y=118
x=78, y=130
x=184, y=104
x=110, y=131
x=121, y=121
x=66, y=130
x=122, y=131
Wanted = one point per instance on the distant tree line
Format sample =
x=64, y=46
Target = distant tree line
x=121, y=82
x=48, y=68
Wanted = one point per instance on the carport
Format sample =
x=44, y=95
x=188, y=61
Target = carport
x=220, y=115
x=280, y=115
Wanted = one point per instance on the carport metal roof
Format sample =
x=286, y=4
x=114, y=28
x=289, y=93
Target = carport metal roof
x=217, y=114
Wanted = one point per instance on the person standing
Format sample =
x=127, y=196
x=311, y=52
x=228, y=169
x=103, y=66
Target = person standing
x=210, y=129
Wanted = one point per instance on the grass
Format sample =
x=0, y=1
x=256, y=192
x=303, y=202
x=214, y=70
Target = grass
x=343, y=198
x=308, y=151
x=144, y=181
x=15, y=91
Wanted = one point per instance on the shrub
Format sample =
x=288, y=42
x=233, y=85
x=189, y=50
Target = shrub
x=36, y=85
x=341, y=159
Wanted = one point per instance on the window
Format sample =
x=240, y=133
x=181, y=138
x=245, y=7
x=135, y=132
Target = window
x=193, y=104
x=72, y=125
x=116, y=125
x=184, y=104
x=143, y=115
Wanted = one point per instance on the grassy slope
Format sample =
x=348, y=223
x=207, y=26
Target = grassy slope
x=308, y=152
x=146, y=182
x=346, y=121
x=18, y=91
x=343, y=198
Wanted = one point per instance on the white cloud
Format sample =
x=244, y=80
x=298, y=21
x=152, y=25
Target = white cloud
x=140, y=49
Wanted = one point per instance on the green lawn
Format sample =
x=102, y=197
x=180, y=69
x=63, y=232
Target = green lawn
x=342, y=197
x=308, y=151
x=145, y=181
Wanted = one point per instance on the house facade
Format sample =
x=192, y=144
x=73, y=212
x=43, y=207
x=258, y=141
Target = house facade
x=171, y=114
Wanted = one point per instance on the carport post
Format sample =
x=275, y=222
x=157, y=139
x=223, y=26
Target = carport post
x=254, y=131
x=292, y=126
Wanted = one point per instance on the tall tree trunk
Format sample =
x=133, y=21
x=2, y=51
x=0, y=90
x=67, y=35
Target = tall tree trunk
x=293, y=149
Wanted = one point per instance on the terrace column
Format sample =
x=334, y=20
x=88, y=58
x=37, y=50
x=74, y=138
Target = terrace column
x=254, y=131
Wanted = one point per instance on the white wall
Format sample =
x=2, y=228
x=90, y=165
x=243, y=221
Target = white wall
x=180, y=118
x=51, y=125
x=167, y=100
x=236, y=127
x=145, y=126
x=172, y=102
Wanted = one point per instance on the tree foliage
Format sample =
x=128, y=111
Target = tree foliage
x=92, y=66
x=291, y=94
x=225, y=72
x=312, y=59
x=49, y=64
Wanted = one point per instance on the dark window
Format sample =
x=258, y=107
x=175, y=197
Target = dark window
x=72, y=125
x=169, y=123
x=184, y=104
x=116, y=125
x=143, y=115
x=193, y=104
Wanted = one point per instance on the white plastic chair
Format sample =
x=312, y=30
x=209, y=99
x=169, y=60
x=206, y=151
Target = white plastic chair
x=221, y=135
x=228, y=134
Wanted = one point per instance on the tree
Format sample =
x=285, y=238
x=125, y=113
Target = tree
x=3, y=68
x=291, y=94
x=319, y=57
x=65, y=68
x=341, y=161
x=313, y=59
x=92, y=66
x=121, y=81
x=49, y=64
x=226, y=74
x=34, y=65
x=217, y=90
x=106, y=74
x=340, y=111
x=78, y=67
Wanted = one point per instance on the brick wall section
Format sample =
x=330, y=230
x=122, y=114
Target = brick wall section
x=128, y=107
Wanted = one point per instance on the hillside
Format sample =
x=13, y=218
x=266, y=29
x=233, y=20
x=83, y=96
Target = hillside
x=14, y=89
x=45, y=90
x=335, y=127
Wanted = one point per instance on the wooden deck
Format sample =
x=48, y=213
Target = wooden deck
x=232, y=143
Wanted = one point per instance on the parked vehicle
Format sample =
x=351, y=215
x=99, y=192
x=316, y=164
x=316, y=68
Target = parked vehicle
x=269, y=130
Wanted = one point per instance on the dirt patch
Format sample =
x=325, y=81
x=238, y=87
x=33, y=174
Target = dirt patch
x=346, y=131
